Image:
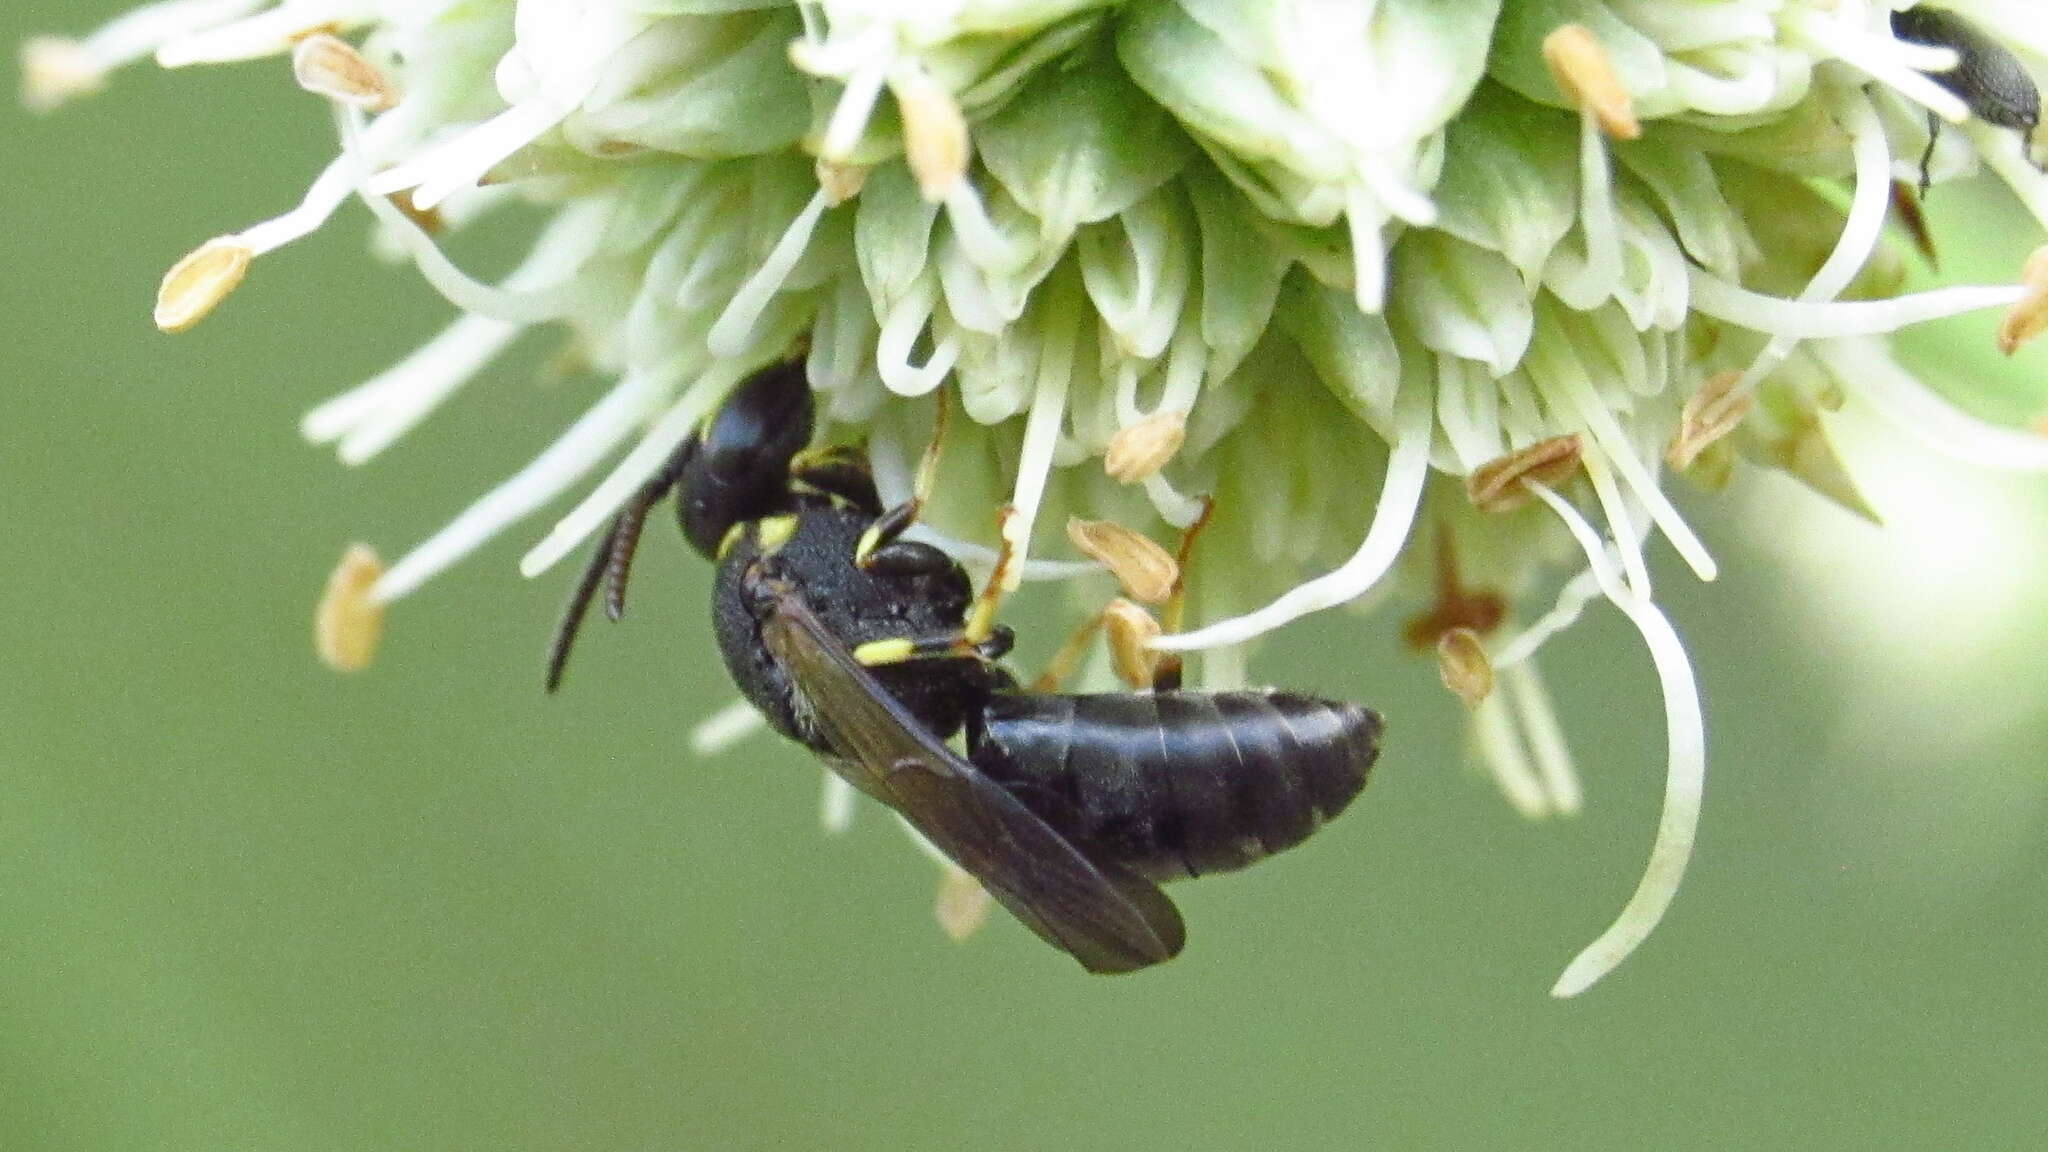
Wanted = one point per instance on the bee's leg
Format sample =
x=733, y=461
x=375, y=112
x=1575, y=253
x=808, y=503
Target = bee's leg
x=1068, y=657
x=981, y=619
x=896, y=521
x=611, y=562
x=946, y=646
x=1167, y=671
x=839, y=470
x=1927, y=157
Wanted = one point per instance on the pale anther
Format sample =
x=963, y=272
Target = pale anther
x=2028, y=317
x=1462, y=661
x=1145, y=570
x=331, y=67
x=1130, y=630
x=1137, y=452
x=962, y=904
x=1584, y=73
x=349, y=623
x=55, y=69
x=197, y=284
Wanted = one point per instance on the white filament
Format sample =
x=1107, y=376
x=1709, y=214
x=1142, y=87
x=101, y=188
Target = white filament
x=1685, y=773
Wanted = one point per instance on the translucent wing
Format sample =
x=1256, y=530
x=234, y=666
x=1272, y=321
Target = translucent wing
x=1109, y=919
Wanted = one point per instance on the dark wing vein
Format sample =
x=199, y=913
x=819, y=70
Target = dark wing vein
x=1107, y=918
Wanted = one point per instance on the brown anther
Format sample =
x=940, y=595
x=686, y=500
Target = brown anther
x=349, y=624
x=197, y=284
x=962, y=904
x=1462, y=661
x=1144, y=569
x=2028, y=317
x=326, y=65
x=1497, y=486
x=55, y=69
x=934, y=135
x=1585, y=74
x=1456, y=607
x=1138, y=451
x=1710, y=414
x=1131, y=630
x=840, y=182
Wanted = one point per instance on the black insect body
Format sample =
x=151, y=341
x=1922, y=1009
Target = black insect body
x=1988, y=78
x=873, y=651
x=1178, y=784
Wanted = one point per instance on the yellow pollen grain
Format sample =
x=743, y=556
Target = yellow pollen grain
x=329, y=66
x=1144, y=569
x=348, y=625
x=2028, y=317
x=1137, y=452
x=1462, y=661
x=1710, y=414
x=1131, y=630
x=1585, y=74
x=962, y=904
x=196, y=285
x=1497, y=486
x=55, y=69
x=934, y=137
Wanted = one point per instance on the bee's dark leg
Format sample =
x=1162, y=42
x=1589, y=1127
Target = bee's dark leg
x=611, y=562
x=840, y=471
x=1065, y=660
x=947, y=646
x=1927, y=157
x=1166, y=674
x=896, y=521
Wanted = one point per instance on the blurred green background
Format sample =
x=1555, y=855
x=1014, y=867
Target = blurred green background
x=247, y=904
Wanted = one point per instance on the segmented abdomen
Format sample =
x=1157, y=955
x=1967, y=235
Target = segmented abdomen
x=1178, y=783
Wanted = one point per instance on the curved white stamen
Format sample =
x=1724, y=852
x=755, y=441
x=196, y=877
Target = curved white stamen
x=1366, y=219
x=1042, y=423
x=1400, y=498
x=458, y=287
x=835, y=803
x=1868, y=210
x=1174, y=508
x=600, y=430
x=1801, y=320
x=1685, y=774
x=891, y=467
x=900, y=330
x=980, y=240
x=1598, y=220
x=2006, y=152
x=726, y=727
x=264, y=34
x=416, y=399
x=1572, y=599
x=1620, y=526
x=1499, y=746
x=1895, y=394
x=129, y=37
x=1884, y=59
x=1545, y=736
x=642, y=462
x=734, y=330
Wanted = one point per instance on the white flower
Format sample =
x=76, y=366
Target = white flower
x=1387, y=277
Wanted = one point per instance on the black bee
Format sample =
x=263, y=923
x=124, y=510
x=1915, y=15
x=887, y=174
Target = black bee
x=1992, y=81
x=873, y=651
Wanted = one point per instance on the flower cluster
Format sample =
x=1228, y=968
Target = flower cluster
x=1428, y=296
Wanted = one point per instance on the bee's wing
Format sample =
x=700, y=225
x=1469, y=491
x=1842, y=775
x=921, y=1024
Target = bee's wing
x=1108, y=918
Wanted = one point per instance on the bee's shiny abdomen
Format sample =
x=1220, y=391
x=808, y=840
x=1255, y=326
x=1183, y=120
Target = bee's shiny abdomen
x=1178, y=783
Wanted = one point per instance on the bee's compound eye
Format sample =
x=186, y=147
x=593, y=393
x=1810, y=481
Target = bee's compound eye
x=909, y=558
